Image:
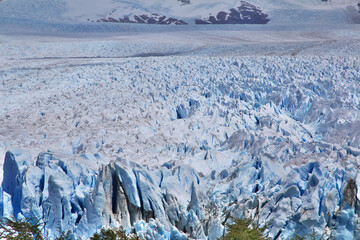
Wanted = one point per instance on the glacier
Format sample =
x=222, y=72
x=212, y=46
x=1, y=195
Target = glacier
x=171, y=145
x=169, y=131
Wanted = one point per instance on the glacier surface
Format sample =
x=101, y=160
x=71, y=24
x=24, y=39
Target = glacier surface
x=169, y=133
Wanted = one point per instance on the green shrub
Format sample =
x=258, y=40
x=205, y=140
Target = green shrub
x=21, y=229
x=65, y=236
x=243, y=229
x=110, y=234
x=311, y=236
x=32, y=229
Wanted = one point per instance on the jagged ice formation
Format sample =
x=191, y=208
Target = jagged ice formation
x=172, y=145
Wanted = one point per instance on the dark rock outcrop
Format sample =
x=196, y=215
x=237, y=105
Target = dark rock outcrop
x=146, y=19
x=246, y=13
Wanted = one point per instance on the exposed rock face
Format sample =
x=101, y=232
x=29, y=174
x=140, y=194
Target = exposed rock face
x=185, y=2
x=146, y=19
x=246, y=13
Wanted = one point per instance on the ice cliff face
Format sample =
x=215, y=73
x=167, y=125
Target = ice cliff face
x=183, y=143
x=68, y=195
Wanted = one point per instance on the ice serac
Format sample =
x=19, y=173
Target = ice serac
x=14, y=170
x=67, y=196
x=309, y=197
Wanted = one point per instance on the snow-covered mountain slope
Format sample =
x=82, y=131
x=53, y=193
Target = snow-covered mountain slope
x=168, y=133
x=189, y=12
x=244, y=14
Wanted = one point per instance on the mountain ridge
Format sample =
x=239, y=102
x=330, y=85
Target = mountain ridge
x=189, y=12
